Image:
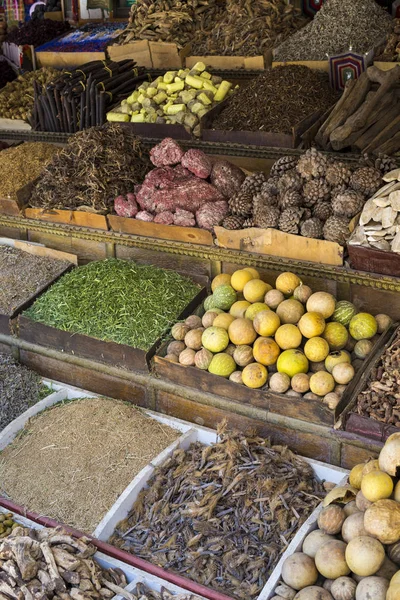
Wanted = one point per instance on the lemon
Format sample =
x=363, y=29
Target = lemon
x=356, y=476
x=255, y=290
x=377, y=485
x=239, y=279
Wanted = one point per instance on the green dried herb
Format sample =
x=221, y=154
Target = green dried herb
x=116, y=300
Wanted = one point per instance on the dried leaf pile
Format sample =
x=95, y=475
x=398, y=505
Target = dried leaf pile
x=267, y=102
x=23, y=274
x=381, y=398
x=222, y=515
x=94, y=167
x=22, y=164
x=71, y=462
x=249, y=28
x=337, y=26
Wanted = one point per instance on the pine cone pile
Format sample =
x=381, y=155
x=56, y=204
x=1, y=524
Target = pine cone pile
x=313, y=196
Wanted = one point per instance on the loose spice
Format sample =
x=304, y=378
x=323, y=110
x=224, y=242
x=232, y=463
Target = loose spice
x=268, y=102
x=338, y=26
x=72, y=461
x=22, y=164
x=23, y=274
x=222, y=515
x=116, y=300
x=96, y=166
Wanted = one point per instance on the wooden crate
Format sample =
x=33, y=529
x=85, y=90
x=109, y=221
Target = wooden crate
x=168, y=56
x=138, y=50
x=192, y=235
x=79, y=218
x=373, y=260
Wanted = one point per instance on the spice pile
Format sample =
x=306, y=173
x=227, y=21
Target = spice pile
x=16, y=98
x=22, y=164
x=185, y=189
x=337, y=26
x=37, y=32
x=286, y=338
x=380, y=400
x=20, y=388
x=115, y=300
x=23, y=274
x=249, y=29
x=312, y=196
x=94, y=167
x=221, y=515
x=72, y=461
x=7, y=73
x=268, y=102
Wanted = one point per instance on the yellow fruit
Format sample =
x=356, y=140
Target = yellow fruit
x=222, y=279
x=364, y=555
x=288, y=337
x=239, y=279
x=255, y=290
x=254, y=309
x=266, y=351
x=292, y=362
x=238, y=309
x=323, y=303
x=290, y=311
x=322, y=383
x=266, y=323
x=312, y=324
x=241, y=332
x=336, y=335
x=287, y=283
x=372, y=465
x=254, y=375
x=336, y=358
x=396, y=494
x=253, y=271
x=223, y=320
x=356, y=476
x=316, y=349
x=377, y=485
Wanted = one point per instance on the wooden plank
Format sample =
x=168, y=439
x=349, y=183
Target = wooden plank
x=353, y=455
x=166, y=55
x=192, y=235
x=61, y=60
x=138, y=50
x=86, y=250
x=43, y=251
x=70, y=217
x=10, y=207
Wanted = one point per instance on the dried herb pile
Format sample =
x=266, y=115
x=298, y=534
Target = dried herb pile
x=96, y=166
x=116, y=300
x=16, y=98
x=72, y=461
x=23, y=274
x=22, y=164
x=249, y=28
x=337, y=26
x=20, y=388
x=222, y=515
x=277, y=100
x=37, y=32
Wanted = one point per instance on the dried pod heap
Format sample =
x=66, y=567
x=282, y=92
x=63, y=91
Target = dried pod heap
x=222, y=514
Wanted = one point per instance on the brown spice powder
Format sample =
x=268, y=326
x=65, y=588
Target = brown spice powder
x=72, y=461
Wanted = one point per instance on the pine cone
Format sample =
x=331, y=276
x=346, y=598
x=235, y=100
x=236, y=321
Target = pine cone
x=290, y=181
x=307, y=214
x=233, y=222
x=322, y=210
x=248, y=223
x=348, y=203
x=290, y=219
x=339, y=189
x=312, y=228
x=267, y=216
x=253, y=183
x=283, y=164
x=366, y=180
x=315, y=191
x=385, y=163
x=290, y=198
x=271, y=186
x=336, y=229
x=338, y=173
x=241, y=204
x=312, y=164
x=264, y=198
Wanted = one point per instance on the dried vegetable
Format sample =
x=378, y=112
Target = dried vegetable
x=37, y=32
x=94, y=167
x=267, y=102
x=337, y=26
x=143, y=592
x=22, y=275
x=72, y=461
x=222, y=514
x=115, y=300
x=16, y=98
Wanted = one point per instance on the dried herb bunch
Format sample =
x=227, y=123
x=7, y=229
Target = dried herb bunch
x=95, y=166
x=381, y=400
x=22, y=164
x=222, y=514
x=250, y=28
x=268, y=102
x=339, y=25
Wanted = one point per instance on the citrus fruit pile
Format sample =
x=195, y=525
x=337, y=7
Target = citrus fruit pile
x=286, y=338
x=356, y=547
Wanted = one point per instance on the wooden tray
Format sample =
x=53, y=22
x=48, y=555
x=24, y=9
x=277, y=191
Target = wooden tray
x=111, y=353
x=192, y=235
x=373, y=260
x=79, y=218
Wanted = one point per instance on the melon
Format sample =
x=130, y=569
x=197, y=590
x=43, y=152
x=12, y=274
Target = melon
x=266, y=351
x=322, y=383
x=238, y=309
x=363, y=348
x=292, y=362
x=253, y=271
x=210, y=316
x=344, y=312
x=254, y=309
x=287, y=282
x=290, y=311
x=288, y=337
x=273, y=298
x=215, y=339
x=336, y=358
x=223, y=320
x=363, y=326
x=222, y=364
x=336, y=335
x=203, y=359
x=209, y=302
x=316, y=349
x=266, y=323
x=302, y=293
x=255, y=290
x=241, y=332
x=240, y=278
x=254, y=375
x=322, y=303
x=384, y=321
x=222, y=279
x=243, y=355
x=224, y=296
x=312, y=324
